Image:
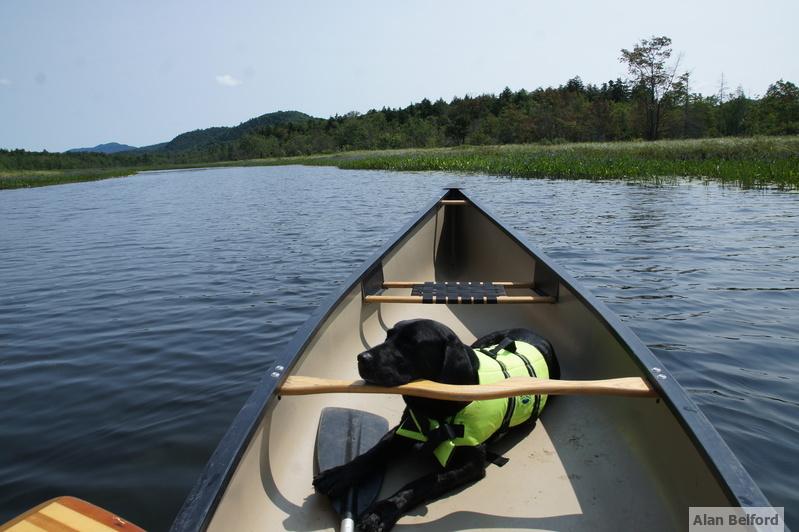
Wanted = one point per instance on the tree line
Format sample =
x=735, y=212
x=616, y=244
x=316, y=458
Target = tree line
x=656, y=102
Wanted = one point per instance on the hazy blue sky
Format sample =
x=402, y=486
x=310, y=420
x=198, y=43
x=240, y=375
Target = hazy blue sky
x=78, y=73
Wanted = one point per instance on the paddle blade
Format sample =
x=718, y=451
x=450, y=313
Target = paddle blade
x=342, y=435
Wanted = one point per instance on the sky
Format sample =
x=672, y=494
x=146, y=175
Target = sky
x=80, y=73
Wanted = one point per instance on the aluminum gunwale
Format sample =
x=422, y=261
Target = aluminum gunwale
x=198, y=508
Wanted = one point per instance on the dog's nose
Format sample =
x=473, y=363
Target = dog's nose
x=365, y=357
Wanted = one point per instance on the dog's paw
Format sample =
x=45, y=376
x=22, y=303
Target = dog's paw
x=371, y=523
x=381, y=517
x=333, y=482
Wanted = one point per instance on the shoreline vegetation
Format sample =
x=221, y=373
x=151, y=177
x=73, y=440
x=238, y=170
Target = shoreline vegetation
x=574, y=131
x=11, y=179
x=746, y=162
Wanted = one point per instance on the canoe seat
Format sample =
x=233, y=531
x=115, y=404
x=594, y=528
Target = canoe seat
x=460, y=292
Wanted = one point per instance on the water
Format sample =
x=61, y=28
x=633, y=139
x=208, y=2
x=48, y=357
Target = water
x=137, y=314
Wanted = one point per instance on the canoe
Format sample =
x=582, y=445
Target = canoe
x=64, y=514
x=591, y=463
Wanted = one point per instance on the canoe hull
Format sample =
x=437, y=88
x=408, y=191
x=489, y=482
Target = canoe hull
x=581, y=468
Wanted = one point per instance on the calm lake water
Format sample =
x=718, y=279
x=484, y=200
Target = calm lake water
x=137, y=314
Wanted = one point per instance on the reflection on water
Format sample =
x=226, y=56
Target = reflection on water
x=137, y=314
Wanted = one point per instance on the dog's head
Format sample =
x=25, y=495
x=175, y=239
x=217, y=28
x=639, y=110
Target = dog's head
x=418, y=349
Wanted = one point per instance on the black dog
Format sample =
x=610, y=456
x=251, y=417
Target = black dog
x=422, y=349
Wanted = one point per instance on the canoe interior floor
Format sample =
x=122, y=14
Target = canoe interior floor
x=583, y=467
x=570, y=472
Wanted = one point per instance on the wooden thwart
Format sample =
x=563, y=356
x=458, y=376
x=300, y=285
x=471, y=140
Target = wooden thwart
x=625, y=386
x=453, y=202
x=418, y=299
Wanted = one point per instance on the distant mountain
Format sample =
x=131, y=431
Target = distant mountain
x=151, y=147
x=111, y=147
x=201, y=138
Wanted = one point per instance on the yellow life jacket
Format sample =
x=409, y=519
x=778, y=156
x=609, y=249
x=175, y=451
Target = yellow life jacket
x=481, y=420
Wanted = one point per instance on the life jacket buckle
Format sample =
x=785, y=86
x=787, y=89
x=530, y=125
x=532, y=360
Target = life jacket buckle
x=442, y=433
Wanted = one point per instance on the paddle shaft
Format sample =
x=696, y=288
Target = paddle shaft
x=626, y=386
x=348, y=519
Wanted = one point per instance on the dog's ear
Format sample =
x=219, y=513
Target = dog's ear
x=457, y=366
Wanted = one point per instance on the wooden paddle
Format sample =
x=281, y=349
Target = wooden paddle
x=626, y=386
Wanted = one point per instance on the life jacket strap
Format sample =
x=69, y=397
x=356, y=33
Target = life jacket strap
x=494, y=353
x=531, y=372
x=496, y=458
x=442, y=433
x=506, y=344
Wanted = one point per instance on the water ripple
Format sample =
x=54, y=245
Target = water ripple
x=137, y=314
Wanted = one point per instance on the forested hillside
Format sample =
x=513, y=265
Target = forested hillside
x=571, y=112
x=574, y=111
x=200, y=139
x=110, y=147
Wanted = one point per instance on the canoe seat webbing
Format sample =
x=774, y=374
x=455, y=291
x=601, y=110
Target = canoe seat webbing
x=468, y=292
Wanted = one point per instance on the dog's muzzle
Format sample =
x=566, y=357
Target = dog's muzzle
x=365, y=364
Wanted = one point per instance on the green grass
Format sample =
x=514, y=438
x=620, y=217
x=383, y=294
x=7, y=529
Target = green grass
x=43, y=178
x=747, y=162
x=40, y=178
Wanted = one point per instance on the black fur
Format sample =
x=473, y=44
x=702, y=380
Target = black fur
x=421, y=349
